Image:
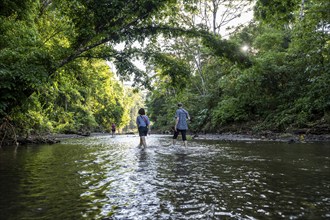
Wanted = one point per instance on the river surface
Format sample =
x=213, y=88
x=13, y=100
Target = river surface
x=110, y=178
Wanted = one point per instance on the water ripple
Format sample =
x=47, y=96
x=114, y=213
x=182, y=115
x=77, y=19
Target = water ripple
x=110, y=178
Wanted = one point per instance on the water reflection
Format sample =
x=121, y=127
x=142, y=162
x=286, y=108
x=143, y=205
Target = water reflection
x=109, y=178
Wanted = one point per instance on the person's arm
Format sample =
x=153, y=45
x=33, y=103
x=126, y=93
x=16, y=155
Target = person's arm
x=176, y=119
x=188, y=116
x=148, y=121
x=176, y=123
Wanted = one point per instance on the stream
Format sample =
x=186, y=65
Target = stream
x=110, y=178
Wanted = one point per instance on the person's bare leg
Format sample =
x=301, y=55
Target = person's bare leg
x=174, y=141
x=144, y=142
x=141, y=143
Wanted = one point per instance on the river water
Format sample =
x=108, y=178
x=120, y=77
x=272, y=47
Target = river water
x=110, y=178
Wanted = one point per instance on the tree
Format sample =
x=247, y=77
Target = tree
x=83, y=98
x=39, y=40
x=200, y=57
x=280, y=82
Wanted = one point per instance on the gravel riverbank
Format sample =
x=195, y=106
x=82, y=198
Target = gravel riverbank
x=276, y=137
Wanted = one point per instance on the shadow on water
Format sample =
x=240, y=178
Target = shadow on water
x=110, y=178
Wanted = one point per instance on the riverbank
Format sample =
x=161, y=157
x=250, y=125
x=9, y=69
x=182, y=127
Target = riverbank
x=265, y=136
x=276, y=137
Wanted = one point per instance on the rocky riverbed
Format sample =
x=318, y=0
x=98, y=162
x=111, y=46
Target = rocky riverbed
x=266, y=136
x=277, y=137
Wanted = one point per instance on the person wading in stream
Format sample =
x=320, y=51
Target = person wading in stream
x=113, y=129
x=181, y=126
x=142, y=122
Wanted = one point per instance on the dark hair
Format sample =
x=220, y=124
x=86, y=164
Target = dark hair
x=141, y=111
x=179, y=104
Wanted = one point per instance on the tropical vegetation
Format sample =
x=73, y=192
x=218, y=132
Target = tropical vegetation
x=63, y=64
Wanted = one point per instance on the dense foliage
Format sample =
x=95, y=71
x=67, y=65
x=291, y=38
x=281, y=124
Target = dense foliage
x=279, y=82
x=86, y=99
x=53, y=71
x=52, y=59
x=55, y=77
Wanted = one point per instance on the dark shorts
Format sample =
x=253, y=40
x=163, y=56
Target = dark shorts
x=143, y=131
x=113, y=130
x=183, y=133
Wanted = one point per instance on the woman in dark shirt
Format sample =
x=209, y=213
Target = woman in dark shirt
x=142, y=122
